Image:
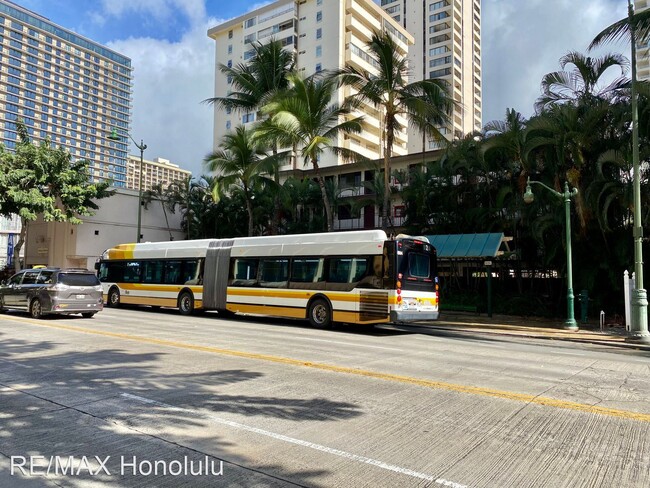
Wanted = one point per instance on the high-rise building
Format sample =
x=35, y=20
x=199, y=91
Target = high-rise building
x=322, y=37
x=159, y=171
x=447, y=46
x=63, y=87
x=642, y=50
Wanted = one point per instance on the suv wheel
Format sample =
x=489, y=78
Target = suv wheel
x=88, y=315
x=36, y=309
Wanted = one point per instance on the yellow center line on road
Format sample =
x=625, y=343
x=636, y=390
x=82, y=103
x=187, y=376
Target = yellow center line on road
x=436, y=385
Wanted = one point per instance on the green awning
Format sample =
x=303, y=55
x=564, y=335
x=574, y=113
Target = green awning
x=468, y=245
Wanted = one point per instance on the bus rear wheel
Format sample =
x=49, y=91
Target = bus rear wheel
x=186, y=303
x=320, y=314
x=113, y=297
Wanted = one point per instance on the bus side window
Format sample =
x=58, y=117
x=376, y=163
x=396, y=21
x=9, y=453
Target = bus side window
x=191, y=272
x=132, y=272
x=243, y=272
x=339, y=270
x=173, y=272
x=274, y=273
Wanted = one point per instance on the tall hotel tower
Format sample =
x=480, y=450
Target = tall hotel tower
x=448, y=46
x=323, y=34
x=63, y=87
x=642, y=50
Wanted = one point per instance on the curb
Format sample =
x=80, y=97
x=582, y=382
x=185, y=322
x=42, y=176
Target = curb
x=514, y=331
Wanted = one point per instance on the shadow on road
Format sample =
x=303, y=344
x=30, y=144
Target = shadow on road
x=59, y=399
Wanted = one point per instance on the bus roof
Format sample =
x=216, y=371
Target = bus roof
x=341, y=243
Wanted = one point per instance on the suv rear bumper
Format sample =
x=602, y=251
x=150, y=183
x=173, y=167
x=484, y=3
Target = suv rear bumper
x=63, y=307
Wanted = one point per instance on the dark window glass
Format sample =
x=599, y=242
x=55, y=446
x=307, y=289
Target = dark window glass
x=15, y=279
x=78, y=279
x=30, y=277
x=244, y=271
x=152, y=271
x=307, y=270
x=347, y=270
x=192, y=272
x=45, y=277
x=274, y=272
x=132, y=272
x=174, y=272
x=418, y=265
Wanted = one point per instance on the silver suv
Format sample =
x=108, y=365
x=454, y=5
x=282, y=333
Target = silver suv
x=52, y=291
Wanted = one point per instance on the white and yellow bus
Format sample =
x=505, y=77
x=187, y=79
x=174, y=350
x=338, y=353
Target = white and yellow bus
x=360, y=277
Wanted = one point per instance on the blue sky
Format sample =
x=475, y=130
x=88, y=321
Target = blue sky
x=174, y=64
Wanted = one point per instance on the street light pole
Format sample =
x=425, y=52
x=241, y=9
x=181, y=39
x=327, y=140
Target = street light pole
x=570, y=323
x=142, y=146
x=639, y=305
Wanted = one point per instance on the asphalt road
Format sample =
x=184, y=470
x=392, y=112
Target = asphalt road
x=135, y=397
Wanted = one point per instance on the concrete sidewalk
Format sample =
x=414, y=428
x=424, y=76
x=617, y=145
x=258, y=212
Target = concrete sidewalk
x=536, y=328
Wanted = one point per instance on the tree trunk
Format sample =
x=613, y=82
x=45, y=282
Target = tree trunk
x=19, y=245
x=171, y=237
x=275, y=220
x=388, y=149
x=249, y=209
x=323, y=191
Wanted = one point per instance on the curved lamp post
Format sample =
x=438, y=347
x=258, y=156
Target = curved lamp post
x=570, y=323
x=142, y=146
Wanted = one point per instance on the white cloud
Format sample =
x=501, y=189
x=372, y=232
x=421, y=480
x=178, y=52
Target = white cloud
x=523, y=40
x=170, y=80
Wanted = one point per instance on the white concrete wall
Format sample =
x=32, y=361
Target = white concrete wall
x=65, y=245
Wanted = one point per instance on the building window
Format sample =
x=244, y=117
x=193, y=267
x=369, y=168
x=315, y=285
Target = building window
x=319, y=33
x=318, y=68
x=227, y=124
x=229, y=34
x=319, y=51
x=319, y=16
x=249, y=23
x=229, y=48
x=248, y=118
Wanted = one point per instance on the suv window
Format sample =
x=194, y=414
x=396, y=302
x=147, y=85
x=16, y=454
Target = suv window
x=78, y=279
x=15, y=279
x=45, y=277
x=30, y=277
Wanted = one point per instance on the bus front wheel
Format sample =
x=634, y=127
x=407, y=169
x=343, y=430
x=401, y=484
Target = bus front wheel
x=113, y=298
x=186, y=303
x=320, y=314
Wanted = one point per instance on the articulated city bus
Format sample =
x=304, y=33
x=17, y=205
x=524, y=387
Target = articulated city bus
x=360, y=277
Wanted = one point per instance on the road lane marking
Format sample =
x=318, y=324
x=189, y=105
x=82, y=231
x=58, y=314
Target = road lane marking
x=436, y=385
x=299, y=442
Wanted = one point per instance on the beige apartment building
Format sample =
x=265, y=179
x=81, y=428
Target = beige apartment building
x=642, y=50
x=159, y=171
x=323, y=34
x=447, y=46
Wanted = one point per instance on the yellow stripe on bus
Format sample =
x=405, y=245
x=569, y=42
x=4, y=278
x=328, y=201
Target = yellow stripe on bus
x=147, y=287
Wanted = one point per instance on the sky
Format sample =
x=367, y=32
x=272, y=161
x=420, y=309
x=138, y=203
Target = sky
x=174, y=65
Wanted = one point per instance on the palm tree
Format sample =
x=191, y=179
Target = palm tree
x=157, y=192
x=242, y=165
x=258, y=79
x=306, y=119
x=425, y=104
x=253, y=83
x=582, y=83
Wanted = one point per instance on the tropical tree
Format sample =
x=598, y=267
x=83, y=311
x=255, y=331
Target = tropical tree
x=306, y=118
x=425, y=104
x=157, y=192
x=242, y=165
x=43, y=180
x=253, y=84
x=582, y=83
